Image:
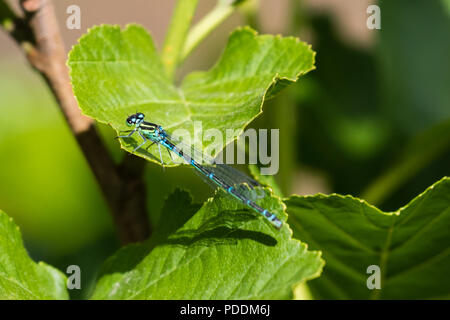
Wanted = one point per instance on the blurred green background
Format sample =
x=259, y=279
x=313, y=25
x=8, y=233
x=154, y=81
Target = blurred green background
x=373, y=120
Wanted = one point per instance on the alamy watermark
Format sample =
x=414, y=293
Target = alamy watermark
x=74, y=280
x=252, y=146
x=374, y=280
x=374, y=20
x=74, y=19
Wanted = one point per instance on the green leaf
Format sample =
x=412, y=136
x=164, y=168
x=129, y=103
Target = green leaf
x=217, y=251
x=411, y=245
x=20, y=277
x=118, y=72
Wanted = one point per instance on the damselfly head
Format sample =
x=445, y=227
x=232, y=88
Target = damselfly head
x=135, y=119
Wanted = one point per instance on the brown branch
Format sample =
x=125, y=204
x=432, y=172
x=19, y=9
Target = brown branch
x=123, y=187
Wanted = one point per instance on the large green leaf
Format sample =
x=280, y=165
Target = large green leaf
x=411, y=246
x=118, y=72
x=217, y=251
x=20, y=277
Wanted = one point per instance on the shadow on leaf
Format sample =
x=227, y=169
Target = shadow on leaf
x=175, y=229
x=223, y=229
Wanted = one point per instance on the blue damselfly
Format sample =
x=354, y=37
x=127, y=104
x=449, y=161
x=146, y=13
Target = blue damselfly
x=221, y=175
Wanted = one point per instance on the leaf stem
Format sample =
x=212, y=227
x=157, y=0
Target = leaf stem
x=176, y=35
x=419, y=153
x=204, y=27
